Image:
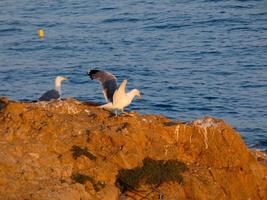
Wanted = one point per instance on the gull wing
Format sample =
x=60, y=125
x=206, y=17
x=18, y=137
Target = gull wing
x=49, y=95
x=108, y=82
x=109, y=88
x=105, y=94
x=120, y=92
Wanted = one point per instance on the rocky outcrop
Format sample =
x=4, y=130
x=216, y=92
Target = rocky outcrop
x=73, y=150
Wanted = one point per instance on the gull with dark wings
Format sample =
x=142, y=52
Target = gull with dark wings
x=54, y=93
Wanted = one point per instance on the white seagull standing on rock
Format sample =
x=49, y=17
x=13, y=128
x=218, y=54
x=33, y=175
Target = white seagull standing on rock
x=118, y=98
x=55, y=93
x=121, y=99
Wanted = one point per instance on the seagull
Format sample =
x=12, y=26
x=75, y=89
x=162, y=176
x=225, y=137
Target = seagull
x=107, y=80
x=55, y=93
x=121, y=99
x=116, y=97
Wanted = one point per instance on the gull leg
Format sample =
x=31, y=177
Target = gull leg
x=124, y=112
x=116, y=112
x=120, y=111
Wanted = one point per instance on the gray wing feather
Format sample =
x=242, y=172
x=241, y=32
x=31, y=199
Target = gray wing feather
x=49, y=95
x=108, y=82
x=109, y=88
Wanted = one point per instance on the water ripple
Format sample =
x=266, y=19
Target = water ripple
x=189, y=58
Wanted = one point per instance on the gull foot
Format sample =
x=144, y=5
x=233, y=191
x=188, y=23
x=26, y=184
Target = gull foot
x=128, y=114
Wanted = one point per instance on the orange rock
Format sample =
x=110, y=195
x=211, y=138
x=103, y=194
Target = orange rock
x=74, y=150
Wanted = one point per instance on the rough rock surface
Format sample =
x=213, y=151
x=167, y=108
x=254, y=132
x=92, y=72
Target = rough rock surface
x=68, y=150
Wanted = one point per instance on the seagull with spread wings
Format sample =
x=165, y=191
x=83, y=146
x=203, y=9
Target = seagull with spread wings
x=117, y=96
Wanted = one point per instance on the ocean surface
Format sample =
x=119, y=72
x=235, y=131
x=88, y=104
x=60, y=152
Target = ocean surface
x=189, y=58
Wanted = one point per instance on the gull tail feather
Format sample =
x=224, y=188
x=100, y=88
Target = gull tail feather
x=107, y=106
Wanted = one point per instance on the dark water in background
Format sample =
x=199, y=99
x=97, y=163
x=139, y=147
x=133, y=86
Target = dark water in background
x=189, y=58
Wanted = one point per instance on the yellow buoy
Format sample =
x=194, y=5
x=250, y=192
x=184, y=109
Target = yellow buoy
x=41, y=33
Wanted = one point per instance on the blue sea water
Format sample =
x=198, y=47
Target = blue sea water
x=189, y=58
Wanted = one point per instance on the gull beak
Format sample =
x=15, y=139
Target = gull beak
x=66, y=78
x=139, y=96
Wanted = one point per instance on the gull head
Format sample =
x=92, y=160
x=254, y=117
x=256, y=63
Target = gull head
x=59, y=79
x=137, y=93
x=92, y=73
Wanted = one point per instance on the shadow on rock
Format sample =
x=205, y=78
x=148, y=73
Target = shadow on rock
x=153, y=172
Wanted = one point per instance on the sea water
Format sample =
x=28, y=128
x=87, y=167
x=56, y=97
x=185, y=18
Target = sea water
x=189, y=58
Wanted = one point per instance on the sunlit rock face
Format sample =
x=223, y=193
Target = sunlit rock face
x=74, y=150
